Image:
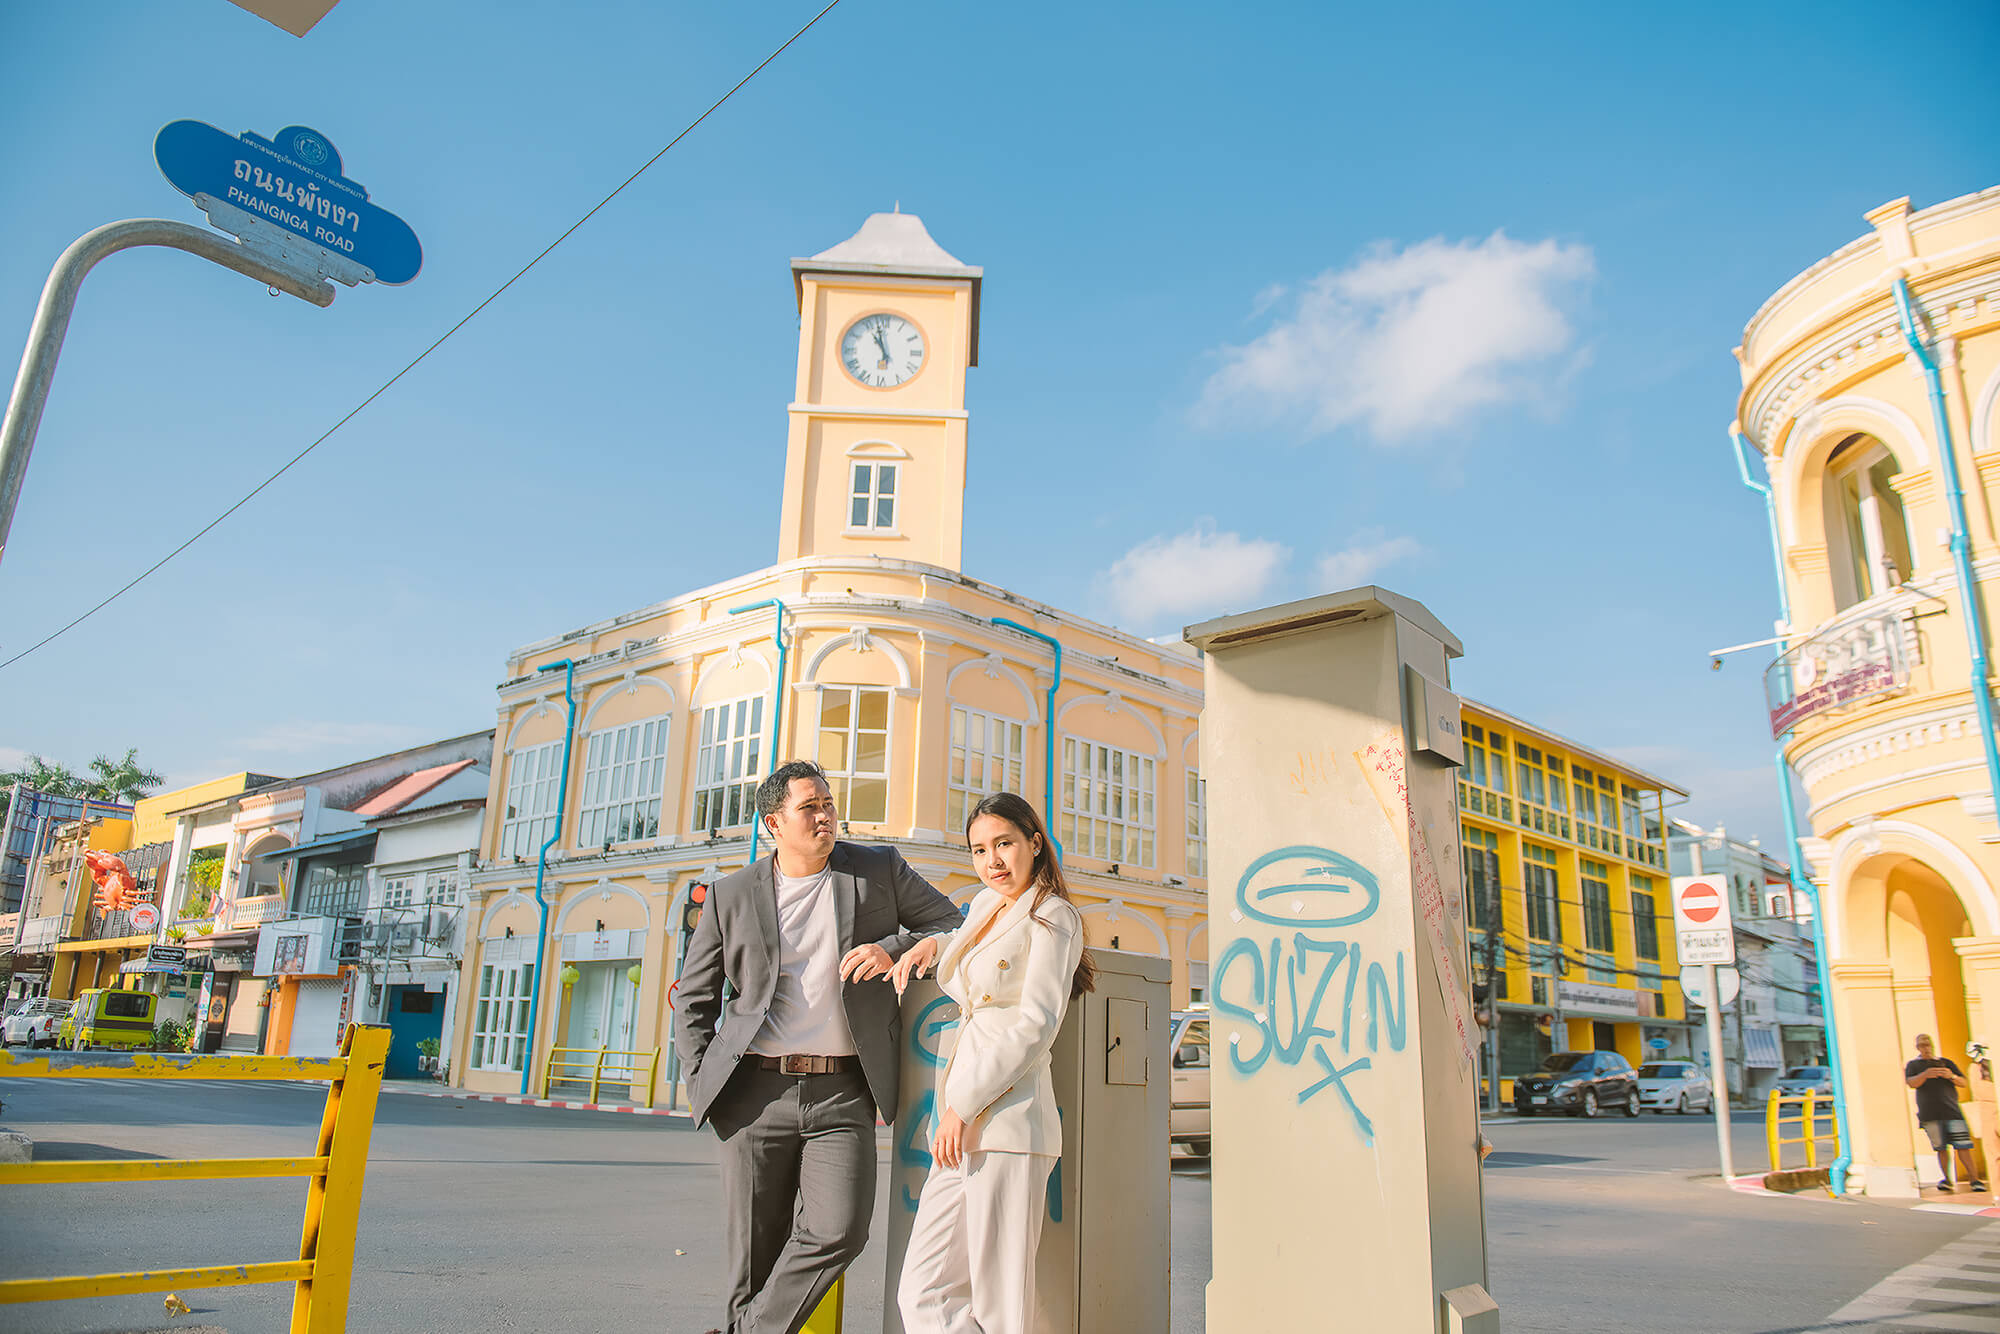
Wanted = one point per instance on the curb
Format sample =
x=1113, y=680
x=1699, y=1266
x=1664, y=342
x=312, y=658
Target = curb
x=515, y=1100
x=1966, y=1210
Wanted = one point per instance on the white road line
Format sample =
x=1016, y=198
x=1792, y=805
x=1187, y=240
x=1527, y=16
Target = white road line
x=1956, y=1287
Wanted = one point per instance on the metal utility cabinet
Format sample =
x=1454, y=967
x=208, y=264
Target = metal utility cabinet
x=1103, y=1261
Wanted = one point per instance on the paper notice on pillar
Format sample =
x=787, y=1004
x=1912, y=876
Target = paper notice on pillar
x=1382, y=762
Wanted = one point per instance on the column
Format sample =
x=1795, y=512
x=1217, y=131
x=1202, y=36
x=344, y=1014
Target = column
x=1872, y=1052
x=1979, y=956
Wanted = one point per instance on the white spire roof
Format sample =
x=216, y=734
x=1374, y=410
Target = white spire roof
x=890, y=241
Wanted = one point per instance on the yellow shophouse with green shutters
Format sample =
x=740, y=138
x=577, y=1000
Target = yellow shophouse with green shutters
x=1566, y=890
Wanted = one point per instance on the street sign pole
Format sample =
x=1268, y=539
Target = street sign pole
x=45, y=337
x=1719, y=1070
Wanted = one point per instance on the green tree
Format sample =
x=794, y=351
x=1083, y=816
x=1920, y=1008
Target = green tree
x=108, y=780
x=122, y=780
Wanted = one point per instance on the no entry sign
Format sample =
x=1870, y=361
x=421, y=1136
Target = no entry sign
x=1702, y=925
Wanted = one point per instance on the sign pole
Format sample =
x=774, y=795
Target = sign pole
x=1719, y=1070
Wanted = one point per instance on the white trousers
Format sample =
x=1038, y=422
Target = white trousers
x=970, y=1267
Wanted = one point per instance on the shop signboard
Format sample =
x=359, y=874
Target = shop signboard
x=1850, y=662
x=1577, y=998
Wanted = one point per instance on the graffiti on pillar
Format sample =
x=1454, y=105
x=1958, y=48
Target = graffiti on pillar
x=1293, y=996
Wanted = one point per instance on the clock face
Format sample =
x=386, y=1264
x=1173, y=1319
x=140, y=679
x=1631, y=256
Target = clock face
x=882, y=350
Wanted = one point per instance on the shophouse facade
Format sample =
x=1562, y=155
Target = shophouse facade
x=918, y=688
x=1565, y=867
x=28, y=932
x=1871, y=388
x=1777, y=1020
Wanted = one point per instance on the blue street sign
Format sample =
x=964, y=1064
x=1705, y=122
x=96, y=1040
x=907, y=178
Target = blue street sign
x=293, y=181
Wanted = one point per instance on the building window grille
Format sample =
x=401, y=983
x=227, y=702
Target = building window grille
x=872, y=498
x=532, y=784
x=1645, y=926
x=1197, y=823
x=1598, y=930
x=397, y=892
x=986, y=751
x=1107, y=803
x=854, y=750
x=441, y=887
x=623, y=772
x=1482, y=877
x=726, y=766
x=1544, y=903
x=334, y=891
x=500, y=1021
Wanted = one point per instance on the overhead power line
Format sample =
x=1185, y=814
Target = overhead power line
x=415, y=361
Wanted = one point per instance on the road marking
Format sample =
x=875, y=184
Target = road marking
x=1956, y=1287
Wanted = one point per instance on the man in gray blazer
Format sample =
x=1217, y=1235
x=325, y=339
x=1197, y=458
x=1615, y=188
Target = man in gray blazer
x=792, y=1068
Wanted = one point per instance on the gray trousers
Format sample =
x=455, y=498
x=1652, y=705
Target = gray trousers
x=798, y=1187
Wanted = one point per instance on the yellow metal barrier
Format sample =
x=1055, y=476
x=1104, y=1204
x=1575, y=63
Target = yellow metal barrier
x=594, y=1062
x=825, y=1318
x=324, y=1271
x=1808, y=1124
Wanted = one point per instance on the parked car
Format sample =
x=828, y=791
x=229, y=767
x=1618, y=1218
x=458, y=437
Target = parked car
x=1675, y=1086
x=35, y=1024
x=1187, y=1104
x=1581, y=1083
x=109, y=1017
x=1804, y=1079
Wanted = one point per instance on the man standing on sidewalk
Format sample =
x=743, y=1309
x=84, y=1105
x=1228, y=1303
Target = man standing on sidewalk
x=792, y=1068
x=1937, y=1082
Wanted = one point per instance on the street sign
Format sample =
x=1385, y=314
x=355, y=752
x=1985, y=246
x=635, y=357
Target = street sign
x=1694, y=984
x=1702, y=925
x=174, y=954
x=246, y=183
x=145, y=917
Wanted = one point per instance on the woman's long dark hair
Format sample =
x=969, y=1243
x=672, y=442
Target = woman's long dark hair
x=1045, y=875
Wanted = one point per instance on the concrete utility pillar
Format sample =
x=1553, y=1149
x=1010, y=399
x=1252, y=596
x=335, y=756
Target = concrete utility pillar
x=1347, y=1192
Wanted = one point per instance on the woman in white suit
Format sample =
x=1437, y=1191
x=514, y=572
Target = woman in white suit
x=1013, y=969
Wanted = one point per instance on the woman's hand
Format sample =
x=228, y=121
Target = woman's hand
x=916, y=961
x=948, y=1145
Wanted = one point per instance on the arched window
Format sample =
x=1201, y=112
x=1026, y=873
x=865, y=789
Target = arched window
x=1868, y=535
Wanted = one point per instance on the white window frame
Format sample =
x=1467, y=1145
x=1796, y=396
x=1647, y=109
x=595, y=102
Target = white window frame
x=500, y=1017
x=1110, y=809
x=532, y=794
x=842, y=780
x=398, y=891
x=441, y=888
x=1197, y=823
x=728, y=764
x=624, y=774
x=979, y=769
x=867, y=490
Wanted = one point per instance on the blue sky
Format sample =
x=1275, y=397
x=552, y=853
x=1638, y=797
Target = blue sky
x=1275, y=300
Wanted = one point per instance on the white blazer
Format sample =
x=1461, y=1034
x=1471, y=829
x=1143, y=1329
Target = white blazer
x=1013, y=989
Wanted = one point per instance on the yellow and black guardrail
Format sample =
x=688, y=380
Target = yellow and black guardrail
x=324, y=1271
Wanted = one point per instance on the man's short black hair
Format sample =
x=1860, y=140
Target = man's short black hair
x=771, y=793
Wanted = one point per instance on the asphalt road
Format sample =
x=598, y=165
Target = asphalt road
x=482, y=1217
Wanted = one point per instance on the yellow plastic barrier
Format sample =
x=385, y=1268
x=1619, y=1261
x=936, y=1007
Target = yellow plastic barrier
x=593, y=1061
x=324, y=1271
x=825, y=1318
x=1808, y=1124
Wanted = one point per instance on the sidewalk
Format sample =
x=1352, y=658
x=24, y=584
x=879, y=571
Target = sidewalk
x=430, y=1088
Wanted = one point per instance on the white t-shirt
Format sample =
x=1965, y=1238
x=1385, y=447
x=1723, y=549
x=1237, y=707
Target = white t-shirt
x=806, y=1017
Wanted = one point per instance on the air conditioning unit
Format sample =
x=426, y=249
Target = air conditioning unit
x=438, y=925
x=380, y=934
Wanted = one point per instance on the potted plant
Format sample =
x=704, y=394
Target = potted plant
x=427, y=1055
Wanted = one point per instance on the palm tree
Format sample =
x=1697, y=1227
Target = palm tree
x=122, y=780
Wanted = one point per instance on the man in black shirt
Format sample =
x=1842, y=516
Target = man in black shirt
x=1937, y=1082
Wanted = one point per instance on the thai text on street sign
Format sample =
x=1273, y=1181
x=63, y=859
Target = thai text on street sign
x=1703, y=928
x=293, y=182
x=1840, y=666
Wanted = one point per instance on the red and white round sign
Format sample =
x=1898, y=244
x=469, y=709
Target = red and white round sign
x=1700, y=902
x=145, y=917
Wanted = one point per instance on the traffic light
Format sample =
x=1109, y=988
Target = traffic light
x=691, y=912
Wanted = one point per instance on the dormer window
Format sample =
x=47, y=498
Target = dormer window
x=872, y=499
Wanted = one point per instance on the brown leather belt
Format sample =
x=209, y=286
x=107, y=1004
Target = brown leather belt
x=808, y=1065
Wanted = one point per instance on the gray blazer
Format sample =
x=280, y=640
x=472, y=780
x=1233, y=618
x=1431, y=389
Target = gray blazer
x=877, y=898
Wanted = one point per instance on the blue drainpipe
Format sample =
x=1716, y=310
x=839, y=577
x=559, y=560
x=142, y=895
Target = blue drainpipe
x=1961, y=541
x=777, y=702
x=568, y=667
x=1802, y=883
x=1049, y=811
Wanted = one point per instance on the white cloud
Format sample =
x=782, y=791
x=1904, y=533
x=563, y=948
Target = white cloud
x=1356, y=564
x=12, y=758
x=298, y=738
x=1409, y=341
x=1198, y=571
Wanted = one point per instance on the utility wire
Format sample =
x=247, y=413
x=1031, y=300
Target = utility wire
x=419, y=358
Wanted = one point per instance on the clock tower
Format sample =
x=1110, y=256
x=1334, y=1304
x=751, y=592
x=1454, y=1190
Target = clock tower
x=875, y=457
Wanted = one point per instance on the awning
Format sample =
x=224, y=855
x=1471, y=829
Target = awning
x=1760, y=1048
x=353, y=838
x=151, y=966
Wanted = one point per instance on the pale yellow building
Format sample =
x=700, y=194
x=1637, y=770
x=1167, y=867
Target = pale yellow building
x=1887, y=722
x=887, y=664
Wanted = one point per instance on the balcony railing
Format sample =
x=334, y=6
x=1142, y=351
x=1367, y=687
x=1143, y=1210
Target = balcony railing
x=1847, y=663
x=419, y=931
x=258, y=909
